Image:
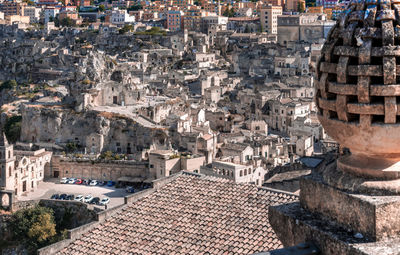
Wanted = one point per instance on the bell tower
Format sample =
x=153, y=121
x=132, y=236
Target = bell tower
x=7, y=164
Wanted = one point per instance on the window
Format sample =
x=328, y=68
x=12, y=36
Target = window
x=245, y=171
x=9, y=171
x=241, y=172
x=9, y=154
x=151, y=166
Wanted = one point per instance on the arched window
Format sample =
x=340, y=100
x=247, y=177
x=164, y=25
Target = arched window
x=9, y=171
x=223, y=172
x=241, y=172
x=245, y=171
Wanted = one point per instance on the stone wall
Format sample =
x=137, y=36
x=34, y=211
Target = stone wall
x=111, y=170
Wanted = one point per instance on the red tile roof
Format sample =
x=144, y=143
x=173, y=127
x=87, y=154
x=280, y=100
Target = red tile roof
x=189, y=215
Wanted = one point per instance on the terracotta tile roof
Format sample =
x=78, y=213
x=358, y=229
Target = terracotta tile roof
x=189, y=215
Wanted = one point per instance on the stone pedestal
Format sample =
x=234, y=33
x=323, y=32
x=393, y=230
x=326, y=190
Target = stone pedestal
x=341, y=214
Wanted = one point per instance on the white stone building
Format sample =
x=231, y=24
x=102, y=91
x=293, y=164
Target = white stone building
x=21, y=171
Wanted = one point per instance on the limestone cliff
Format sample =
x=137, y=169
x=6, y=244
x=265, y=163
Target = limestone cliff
x=61, y=126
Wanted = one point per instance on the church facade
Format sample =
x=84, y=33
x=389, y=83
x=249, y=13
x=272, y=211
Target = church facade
x=21, y=171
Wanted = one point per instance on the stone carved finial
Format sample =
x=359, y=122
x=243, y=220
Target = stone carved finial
x=358, y=87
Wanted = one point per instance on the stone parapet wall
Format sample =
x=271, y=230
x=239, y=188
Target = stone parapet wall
x=111, y=170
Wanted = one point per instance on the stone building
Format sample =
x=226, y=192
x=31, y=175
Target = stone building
x=239, y=173
x=21, y=171
x=280, y=114
x=163, y=163
x=239, y=152
x=269, y=18
x=308, y=27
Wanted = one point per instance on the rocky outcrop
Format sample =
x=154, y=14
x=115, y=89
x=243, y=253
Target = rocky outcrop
x=61, y=126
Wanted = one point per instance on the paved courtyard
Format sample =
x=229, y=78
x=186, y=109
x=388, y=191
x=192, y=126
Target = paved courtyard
x=50, y=187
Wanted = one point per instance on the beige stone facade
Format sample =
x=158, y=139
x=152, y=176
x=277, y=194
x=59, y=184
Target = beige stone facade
x=21, y=171
x=269, y=18
x=163, y=163
x=104, y=171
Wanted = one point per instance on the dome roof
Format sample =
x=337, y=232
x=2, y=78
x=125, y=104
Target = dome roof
x=358, y=78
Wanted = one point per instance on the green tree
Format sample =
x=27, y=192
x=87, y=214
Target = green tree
x=135, y=7
x=300, y=7
x=102, y=8
x=12, y=128
x=71, y=147
x=29, y=2
x=108, y=155
x=43, y=228
x=34, y=226
x=126, y=28
x=10, y=84
x=67, y=22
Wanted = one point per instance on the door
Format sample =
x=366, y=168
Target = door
x=56, y=174
x=115, y=100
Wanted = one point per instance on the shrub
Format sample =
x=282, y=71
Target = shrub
x=10, y=84
x=12, y=128
x=34, y=226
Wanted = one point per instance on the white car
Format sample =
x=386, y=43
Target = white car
x=93, y=183
x=79, y=198
x=71, y=181
x=64, y=180
x=104, y=201
x=88, y=198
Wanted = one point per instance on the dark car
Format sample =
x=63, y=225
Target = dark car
x=63, y=197
x=110, y=183
x=86, y=182
x=55, y=196
x=145, y=186
x=95, y=200
x=130, y=189
x=101, y=183
x=70, y=197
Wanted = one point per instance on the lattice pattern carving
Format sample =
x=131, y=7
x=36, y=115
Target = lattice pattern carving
x=358, y=77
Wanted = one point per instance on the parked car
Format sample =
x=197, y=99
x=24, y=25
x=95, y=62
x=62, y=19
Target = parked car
x=130, y=189
x=88, y=198
x=79, y=198
x=144, y=186
x=63, y=197
x=71, y=181
x=104, y=201
x=86, y=182
x=93, y=183
x=101, y=183
x=64, y=180
x=55, y=196
x=95, y=200
x=110, y=183
x=78, y=181
x=70, y=197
